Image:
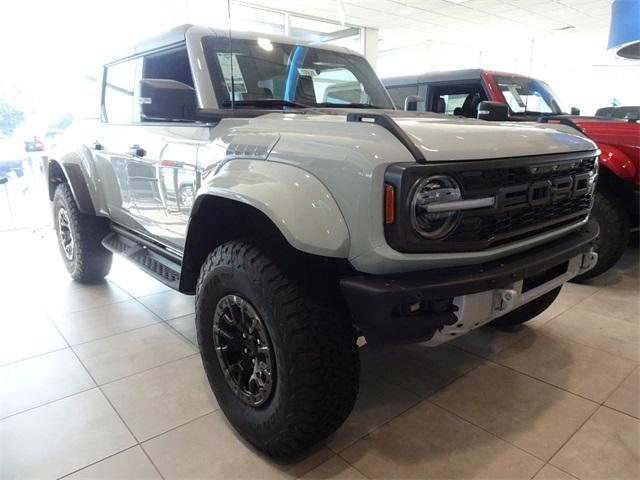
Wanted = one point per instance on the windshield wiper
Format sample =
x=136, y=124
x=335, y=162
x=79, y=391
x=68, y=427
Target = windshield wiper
x=346, y=105
x=265, y=102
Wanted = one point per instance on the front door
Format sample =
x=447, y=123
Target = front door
x=162, y=170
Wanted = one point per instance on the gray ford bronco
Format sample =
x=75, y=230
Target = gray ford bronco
x=274, y=180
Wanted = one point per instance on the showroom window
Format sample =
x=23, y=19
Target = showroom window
x=400, y=93
x=119, y=91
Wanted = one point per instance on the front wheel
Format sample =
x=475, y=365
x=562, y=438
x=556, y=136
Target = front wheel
x=609, y=211
x=280, y=353
x=79, y=238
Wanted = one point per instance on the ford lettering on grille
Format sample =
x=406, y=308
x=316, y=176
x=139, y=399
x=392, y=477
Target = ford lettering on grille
x=543, y=192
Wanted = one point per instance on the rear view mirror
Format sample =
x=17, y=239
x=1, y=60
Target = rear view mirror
x=412, y=102
x=493, y=111
x=162, y=99
x=575, y=111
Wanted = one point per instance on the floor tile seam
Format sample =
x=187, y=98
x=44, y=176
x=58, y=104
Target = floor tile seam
x=557, y=451
x=180, y=333
x=39, y=354
x=350, y=464
x=137, y=299
x=593, y=346
x=557, y=387
x=443, y=407
x=633, y=370
x=419, y=400
x=135, y=439
x=96, y=462
x=163, y=364
x=113, y=334
x=50, y=315
x=49, y=402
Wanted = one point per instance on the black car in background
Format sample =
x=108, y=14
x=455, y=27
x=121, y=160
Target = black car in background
x=627, y=113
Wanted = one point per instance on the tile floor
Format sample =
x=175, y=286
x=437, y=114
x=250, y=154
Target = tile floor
x=105, y=381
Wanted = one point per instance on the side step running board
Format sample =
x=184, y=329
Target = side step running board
x=161, y=264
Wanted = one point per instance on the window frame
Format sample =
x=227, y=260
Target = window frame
x=139, y=59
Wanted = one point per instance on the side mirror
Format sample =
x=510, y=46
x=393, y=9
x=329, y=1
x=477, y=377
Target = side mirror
x=493, y=111
x=412, y=102
x=575, y=111
x=162, y=99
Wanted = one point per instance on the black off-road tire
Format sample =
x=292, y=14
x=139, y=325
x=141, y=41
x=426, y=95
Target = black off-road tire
x=90, y=261
x=610, y=213
x=527, y=311
x=317, y=363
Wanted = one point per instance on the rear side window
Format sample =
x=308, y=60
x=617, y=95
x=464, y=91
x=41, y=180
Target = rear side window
x=168, y=65
x=119, y=92
x=400, y=93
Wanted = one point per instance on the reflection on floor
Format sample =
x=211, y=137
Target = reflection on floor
x=105, y=381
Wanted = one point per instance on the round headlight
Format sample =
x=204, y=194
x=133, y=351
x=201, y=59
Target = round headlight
x=428, y=218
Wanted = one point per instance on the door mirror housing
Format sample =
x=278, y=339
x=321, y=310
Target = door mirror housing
x=575, y=111
x=166, y=100
x=412, y=102
x=493, y=111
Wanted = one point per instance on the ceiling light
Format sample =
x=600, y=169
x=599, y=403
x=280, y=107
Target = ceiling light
x=265, y=44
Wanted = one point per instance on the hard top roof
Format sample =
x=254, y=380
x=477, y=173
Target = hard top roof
x=178, y=35
x=469, y=74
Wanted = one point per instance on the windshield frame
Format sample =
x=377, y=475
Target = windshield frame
x=543, y=86
x=214, y=47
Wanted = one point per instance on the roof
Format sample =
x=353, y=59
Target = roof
x=178, y=35
x=445, y=76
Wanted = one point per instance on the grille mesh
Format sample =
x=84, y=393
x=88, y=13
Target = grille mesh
x=497, y=227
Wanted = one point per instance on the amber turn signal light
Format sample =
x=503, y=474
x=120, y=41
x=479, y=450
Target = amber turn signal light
x=389, y=204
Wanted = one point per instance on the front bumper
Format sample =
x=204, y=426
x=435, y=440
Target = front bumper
x=438, y=305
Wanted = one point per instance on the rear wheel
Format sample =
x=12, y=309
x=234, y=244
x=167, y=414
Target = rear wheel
x=79, y=238
x=610, y=213
x=527, y=311
x=280, y=353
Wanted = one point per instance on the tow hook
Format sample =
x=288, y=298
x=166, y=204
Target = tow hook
x=505, y=299
x=589, y=261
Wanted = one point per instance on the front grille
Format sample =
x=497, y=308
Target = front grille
x=502, y=226
x=532, y=195
x=516, y=216
x=491, y=179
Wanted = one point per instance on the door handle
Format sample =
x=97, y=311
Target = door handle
x=137, y=151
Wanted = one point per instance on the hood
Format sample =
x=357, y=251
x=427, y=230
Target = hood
x=442, y=137
x=439, y=137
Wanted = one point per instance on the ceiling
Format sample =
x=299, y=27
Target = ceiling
x=465, y=22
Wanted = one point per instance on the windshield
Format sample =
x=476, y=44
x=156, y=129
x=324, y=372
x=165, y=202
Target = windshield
x=264, y=73
x=528, y=96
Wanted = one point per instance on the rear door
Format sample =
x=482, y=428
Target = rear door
x=110, y=147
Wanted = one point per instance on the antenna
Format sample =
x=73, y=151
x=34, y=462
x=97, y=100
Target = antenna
x=233, y=87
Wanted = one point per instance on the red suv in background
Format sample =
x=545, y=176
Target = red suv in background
x=461, y=92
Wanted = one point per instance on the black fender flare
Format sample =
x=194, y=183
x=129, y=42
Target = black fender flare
x=74, y=176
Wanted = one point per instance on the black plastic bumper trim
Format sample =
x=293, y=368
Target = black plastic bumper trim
x=372, y=298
